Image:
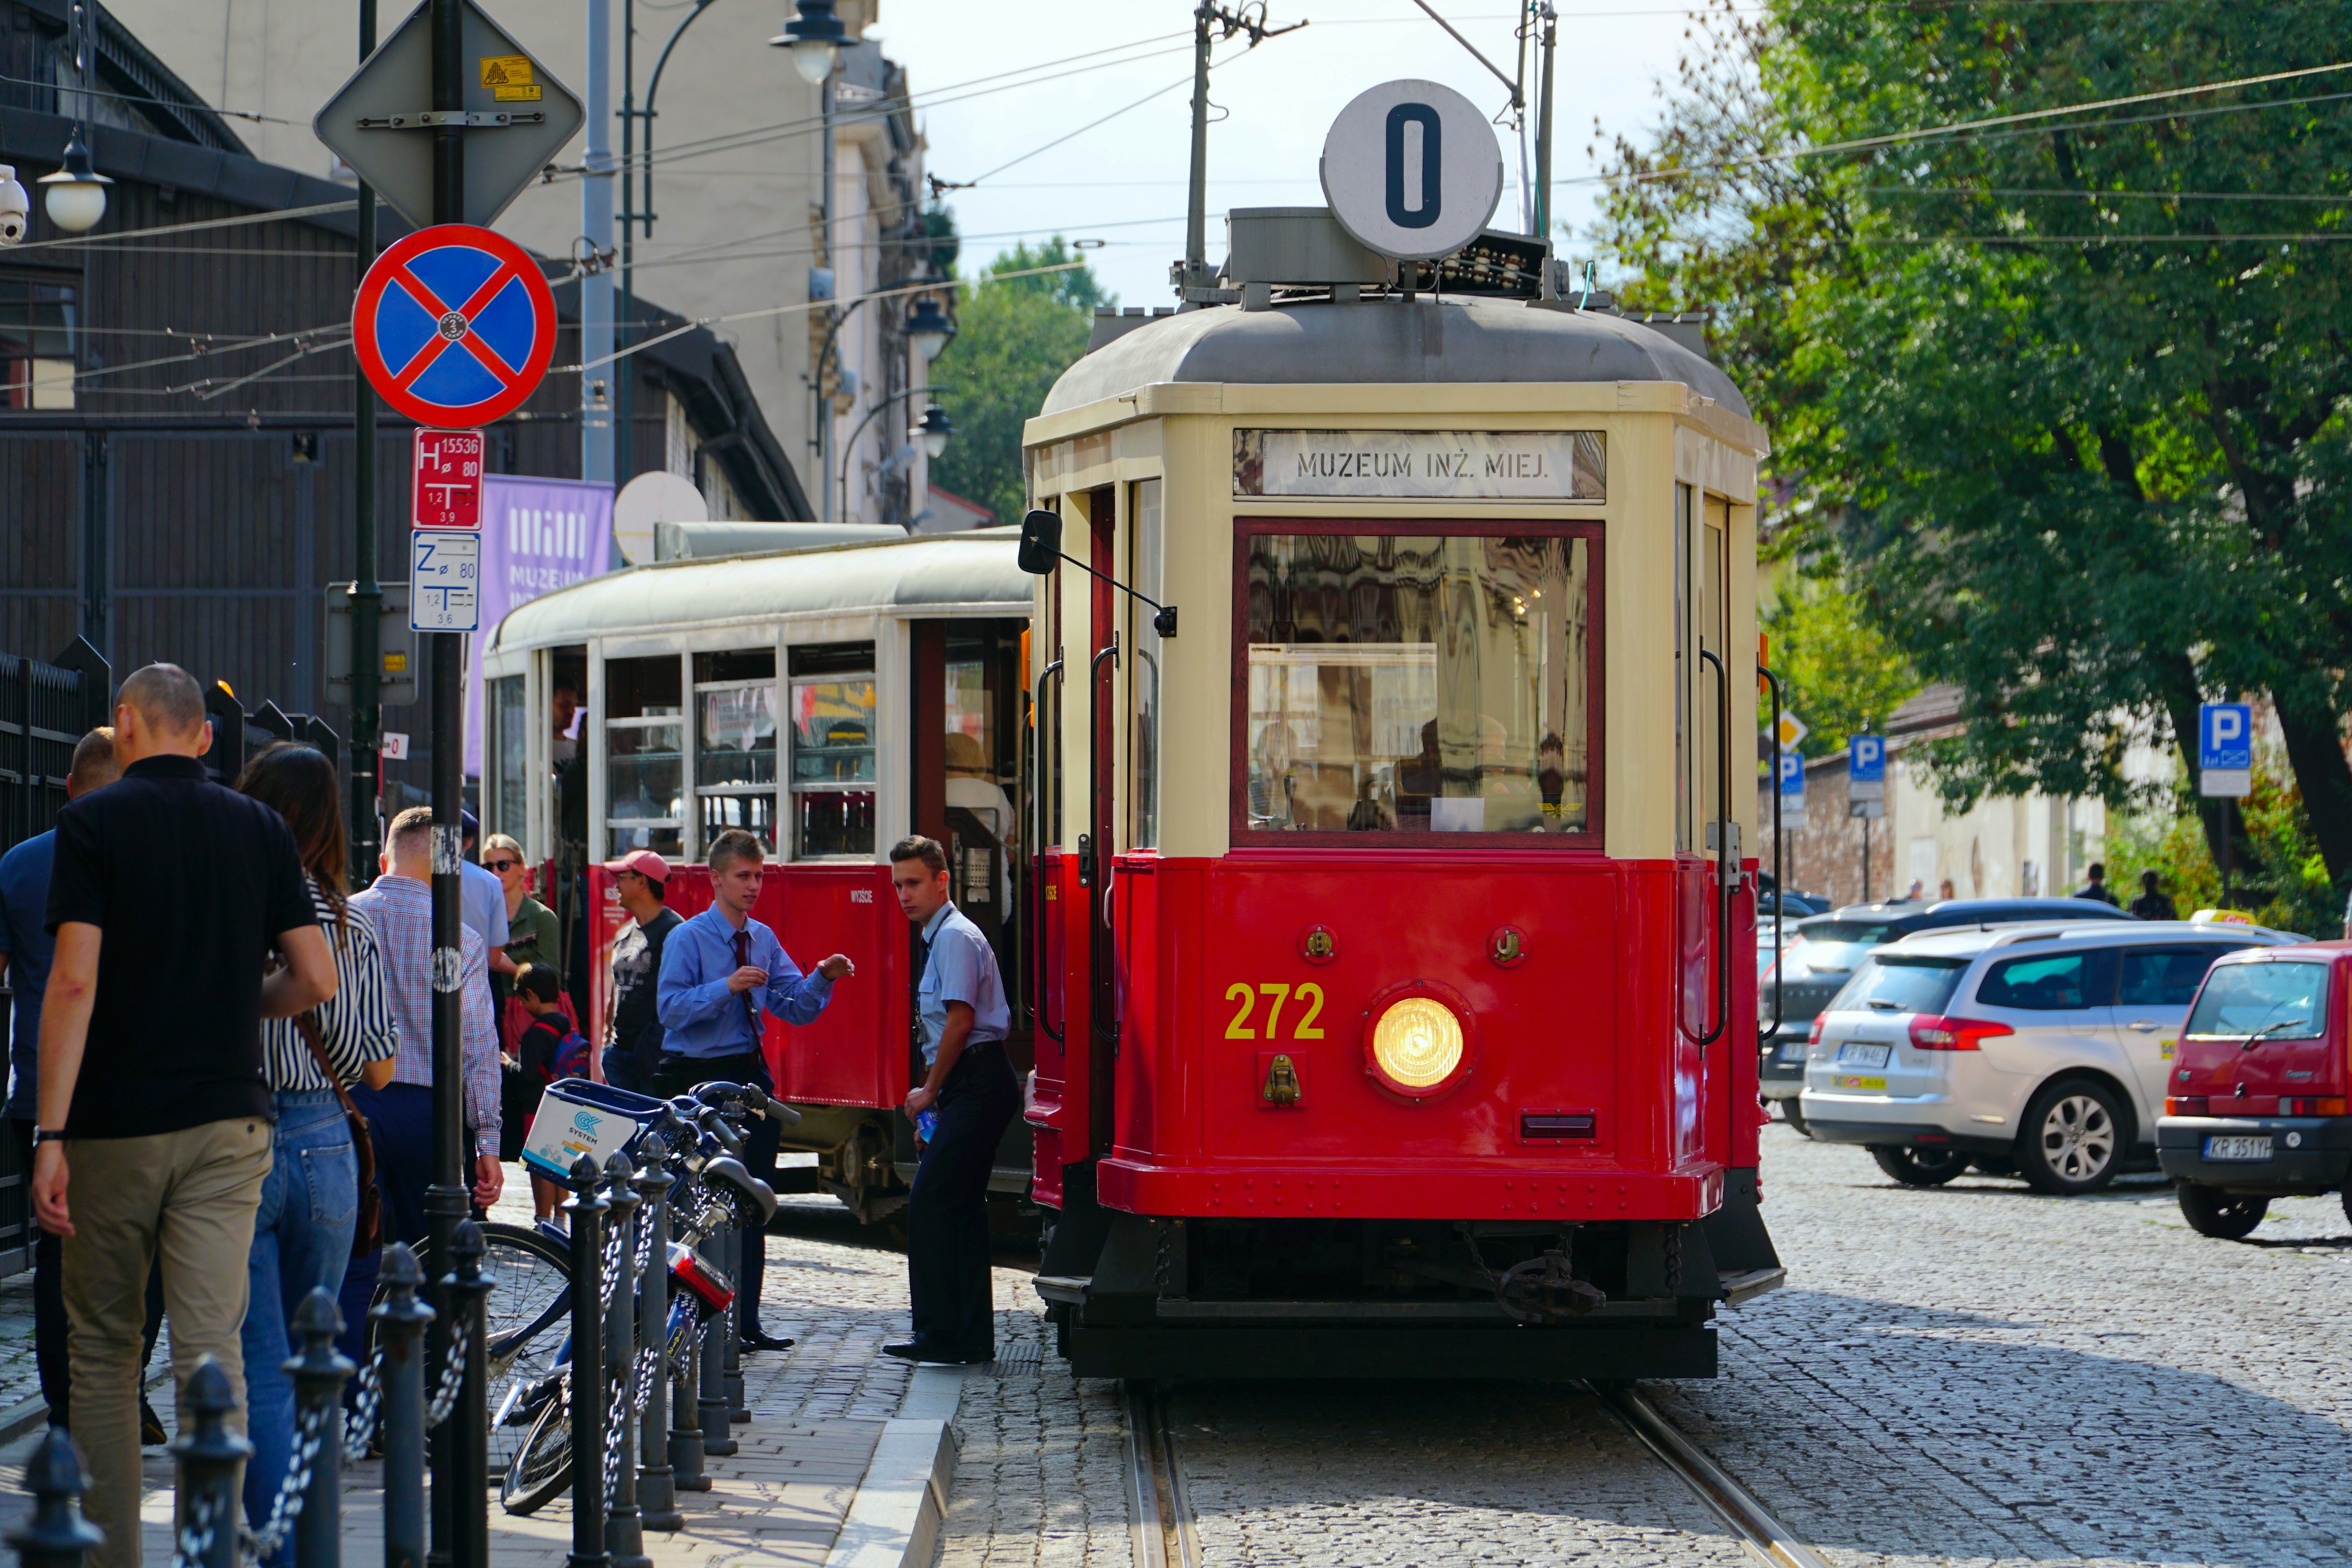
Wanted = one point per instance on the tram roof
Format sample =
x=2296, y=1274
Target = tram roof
x=1464, y=338
x=935, y=571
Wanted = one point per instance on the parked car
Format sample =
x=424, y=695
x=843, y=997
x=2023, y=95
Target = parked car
x=1825, y=950
x=2257, y=1105
x=2037, y=1050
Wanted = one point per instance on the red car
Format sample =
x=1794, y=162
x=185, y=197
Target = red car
x=2259, y=1101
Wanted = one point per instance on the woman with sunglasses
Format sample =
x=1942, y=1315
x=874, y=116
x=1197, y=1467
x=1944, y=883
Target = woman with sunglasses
x=537, y=939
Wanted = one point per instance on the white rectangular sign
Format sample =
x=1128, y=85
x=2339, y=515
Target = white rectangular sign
x=445, y=581
x=395, y=746
x=1423, y=465
x=2231, y=783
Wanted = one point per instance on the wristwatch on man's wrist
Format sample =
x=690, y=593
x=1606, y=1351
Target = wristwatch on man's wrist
x=47, y=1135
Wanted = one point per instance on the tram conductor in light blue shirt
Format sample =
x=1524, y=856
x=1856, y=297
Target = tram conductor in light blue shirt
x=968, y=1082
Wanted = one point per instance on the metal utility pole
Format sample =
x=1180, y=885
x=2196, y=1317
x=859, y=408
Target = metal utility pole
x=1550, y=26
x=1212, y=22
x=460, y=1521
x=367, y=594
x=596, y=434
x=824, y=415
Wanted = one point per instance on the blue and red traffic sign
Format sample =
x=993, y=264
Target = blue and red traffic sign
x=455, y=326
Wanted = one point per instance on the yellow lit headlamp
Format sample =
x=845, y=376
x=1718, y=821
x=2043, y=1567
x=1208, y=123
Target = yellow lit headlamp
x=1417, y=1045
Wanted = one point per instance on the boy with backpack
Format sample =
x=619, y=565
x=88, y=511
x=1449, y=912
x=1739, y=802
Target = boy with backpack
x=551, y=1048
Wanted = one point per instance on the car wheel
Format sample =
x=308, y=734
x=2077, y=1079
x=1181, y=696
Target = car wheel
x=1921, y=1167
x=1995, y=1164
x=2210, y=1211
x=2073, y=1142
x=1795, y=1116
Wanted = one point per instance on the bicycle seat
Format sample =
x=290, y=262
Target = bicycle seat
x=726, y=1174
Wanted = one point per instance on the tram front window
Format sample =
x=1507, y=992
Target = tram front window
x=735, y=743
x=1420, y=683
x=645, y=750
x=832, y=750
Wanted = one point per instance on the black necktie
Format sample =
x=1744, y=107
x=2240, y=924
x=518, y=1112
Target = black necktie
x=751, y=1008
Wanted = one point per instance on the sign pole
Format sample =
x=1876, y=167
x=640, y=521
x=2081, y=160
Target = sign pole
x=367, y=594
x=459, y=1502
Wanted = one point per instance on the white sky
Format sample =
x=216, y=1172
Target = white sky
x=1123, y=182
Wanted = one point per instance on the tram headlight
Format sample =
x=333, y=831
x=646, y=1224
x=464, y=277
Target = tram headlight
x=1417, y=1044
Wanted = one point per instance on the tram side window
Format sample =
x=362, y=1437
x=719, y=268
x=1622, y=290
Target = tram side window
x=645, y=752
x=511, y=731
x=1420, y=683
x=735, y=743
x=833, y=774
x=1146, y=572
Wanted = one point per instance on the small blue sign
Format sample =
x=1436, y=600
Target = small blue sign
x=1866, y=758
x=1792, y=774
x=2225, y=735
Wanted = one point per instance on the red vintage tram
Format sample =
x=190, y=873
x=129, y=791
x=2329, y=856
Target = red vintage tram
x=1390, y=1010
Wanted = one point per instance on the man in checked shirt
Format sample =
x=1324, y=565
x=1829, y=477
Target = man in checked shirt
x=400, y=1114
x=719, y=971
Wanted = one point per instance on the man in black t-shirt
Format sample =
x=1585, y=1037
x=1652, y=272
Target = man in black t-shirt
x=633, y=1035
x=169, y=895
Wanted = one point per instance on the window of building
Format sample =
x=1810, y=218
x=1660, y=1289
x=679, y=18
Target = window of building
x=38, y=322
x=735, y=743
x=1420, y=683
x=833, y=768
x=645, y=755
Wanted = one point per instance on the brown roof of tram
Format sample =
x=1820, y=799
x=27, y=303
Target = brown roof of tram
x=1463, y=339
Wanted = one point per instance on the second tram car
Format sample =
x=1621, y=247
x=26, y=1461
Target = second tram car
x=1393, y=1011
x=827, y=699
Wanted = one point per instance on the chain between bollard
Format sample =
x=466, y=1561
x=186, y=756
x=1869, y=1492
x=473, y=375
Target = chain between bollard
x=366, y=1405
x=636, y=1392
x=453, y=1374
x=287, y=1508
x=193, y=1546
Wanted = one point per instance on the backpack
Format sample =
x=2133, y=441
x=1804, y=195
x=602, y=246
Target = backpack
x=570, y=1055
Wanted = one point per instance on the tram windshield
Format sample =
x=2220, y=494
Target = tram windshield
x=1420, y=683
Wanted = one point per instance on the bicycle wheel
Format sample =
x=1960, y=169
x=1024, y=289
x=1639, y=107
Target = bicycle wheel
x=527, y=1318
x=541, y=1466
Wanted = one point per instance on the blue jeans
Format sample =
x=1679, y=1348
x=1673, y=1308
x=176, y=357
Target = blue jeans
x=301, y=1242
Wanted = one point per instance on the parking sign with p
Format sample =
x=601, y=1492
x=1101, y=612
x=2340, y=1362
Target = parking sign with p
x=2225, y=749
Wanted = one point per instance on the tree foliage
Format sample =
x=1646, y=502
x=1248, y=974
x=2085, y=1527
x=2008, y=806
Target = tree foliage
x=1839, y=673
x=1013, y=337
x=2066, y=395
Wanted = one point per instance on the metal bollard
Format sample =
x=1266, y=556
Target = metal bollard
x=710, y=1383
x=467, y=1289
x=657, y=1498
x=587, y=1209
x=56, y=1536
x=208, y=1458
x=624, y=1536
x=738, y=1409
x=686, y=1474
x=400, y=1320
x=319, y=1372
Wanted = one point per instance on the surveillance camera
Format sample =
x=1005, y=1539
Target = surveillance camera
x=15, y=208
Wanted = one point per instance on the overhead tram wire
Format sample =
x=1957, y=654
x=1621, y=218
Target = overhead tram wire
x=184, y=108
x=696, y=258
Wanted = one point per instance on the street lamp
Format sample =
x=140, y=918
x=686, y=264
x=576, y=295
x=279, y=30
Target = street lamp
x=928, y=327
x=814, y=36
x=76, y=194
x=934, y=430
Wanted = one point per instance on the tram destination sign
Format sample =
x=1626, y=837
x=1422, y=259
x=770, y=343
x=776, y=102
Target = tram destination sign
x=1423, y=465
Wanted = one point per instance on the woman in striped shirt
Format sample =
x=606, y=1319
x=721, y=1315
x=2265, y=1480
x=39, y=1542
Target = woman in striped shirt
x=309, y=1205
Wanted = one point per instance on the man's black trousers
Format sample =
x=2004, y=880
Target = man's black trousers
x=681, y=1075
x=947, y=1214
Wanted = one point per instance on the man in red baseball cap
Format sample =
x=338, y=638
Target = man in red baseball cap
x=633, y=1033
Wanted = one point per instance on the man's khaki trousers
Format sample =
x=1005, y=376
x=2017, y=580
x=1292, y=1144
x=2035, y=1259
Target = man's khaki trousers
x=189, y=1196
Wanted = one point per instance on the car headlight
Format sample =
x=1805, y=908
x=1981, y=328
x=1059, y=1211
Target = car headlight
x=1417, y=1045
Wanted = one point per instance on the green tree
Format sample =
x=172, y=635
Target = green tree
x=2075, y=426
x=1838, y=672
x=1015, y=336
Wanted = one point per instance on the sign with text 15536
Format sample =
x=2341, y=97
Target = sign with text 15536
x=445, y=485
x=1423, y=465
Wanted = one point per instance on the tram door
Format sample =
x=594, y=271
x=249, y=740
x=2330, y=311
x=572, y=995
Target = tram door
x=1097, y=850
x=1702, y=658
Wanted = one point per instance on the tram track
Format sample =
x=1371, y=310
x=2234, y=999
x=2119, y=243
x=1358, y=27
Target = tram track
x=1164, y=1535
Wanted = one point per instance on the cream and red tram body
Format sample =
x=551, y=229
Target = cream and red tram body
x=830, y=700
x=1392, y=1001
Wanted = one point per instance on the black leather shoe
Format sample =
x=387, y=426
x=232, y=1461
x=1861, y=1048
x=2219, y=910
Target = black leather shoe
x=761, y=1340
x=926, y=1355
x=905, y=1351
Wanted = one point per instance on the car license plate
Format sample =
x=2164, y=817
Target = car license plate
x=1848, y=1080
x=1854, y=1054
x=1795, y=1051
x=2238, y=1148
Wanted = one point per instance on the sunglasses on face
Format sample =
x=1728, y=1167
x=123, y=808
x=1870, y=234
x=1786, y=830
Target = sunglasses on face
x=502, y=865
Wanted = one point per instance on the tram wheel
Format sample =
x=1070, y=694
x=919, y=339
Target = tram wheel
x=2226, y=1216
x=1920, y=1167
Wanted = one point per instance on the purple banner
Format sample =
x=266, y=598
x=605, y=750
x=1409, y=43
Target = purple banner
x=537, y=536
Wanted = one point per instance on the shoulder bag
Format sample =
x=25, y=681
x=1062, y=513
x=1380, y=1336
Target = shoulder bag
x=367, y=1234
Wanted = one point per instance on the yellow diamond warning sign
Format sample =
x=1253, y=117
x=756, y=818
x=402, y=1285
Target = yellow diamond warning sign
x=508, y=78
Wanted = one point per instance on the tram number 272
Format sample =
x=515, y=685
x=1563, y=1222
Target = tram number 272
x=1245, y=997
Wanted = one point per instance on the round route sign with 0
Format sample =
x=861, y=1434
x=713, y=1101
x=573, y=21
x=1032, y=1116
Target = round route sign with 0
x=1413, y=170
x=455, y=326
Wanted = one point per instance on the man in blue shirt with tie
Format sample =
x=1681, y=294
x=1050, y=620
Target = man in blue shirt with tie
x=720, y=971
x=968, y=1081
